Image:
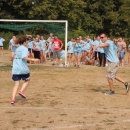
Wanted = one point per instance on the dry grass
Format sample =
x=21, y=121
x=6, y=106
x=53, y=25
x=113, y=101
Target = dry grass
x=64, y=99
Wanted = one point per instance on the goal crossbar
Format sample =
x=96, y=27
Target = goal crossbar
x=47, y=21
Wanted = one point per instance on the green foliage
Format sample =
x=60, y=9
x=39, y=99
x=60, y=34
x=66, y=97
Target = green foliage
x=92, y=16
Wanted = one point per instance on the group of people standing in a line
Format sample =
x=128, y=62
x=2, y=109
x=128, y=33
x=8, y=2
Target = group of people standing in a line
x=84, y=51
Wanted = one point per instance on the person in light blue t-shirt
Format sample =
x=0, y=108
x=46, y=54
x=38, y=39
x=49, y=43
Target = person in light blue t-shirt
x=110, y=50
x=1, y=45
x=77, y=52
x=13, y=47
x=30, y=47
x=43, y=49
x=20, y=68
x=70, y=50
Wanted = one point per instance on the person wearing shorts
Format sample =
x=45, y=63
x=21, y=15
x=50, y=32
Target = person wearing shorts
x=77, y=52
x=30, y=47
x=110, y=50
x=43, y=49
x=70, y=50
x=57, y=45
x=1, y=45
x=20, y=68
x=121, y=50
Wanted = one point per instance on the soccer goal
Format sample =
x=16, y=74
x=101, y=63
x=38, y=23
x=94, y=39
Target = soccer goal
x=45, y=21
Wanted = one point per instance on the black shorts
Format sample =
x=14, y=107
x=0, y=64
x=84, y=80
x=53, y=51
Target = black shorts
x=1, y=46
x=17, y=77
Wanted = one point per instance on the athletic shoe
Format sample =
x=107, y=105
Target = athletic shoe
x=53, y=64
x=22, y=94
x=12, y=101
x=110, y=93
x=127, y=86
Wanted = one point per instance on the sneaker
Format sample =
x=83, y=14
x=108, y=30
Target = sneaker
x=22, y=94
x=12, y=101
x=127, y=85
x=110, y=93
x=53, y=64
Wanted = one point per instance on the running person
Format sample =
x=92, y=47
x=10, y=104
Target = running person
x=20, y=69
x=110, y=50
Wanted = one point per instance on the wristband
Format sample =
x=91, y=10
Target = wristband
x=32, y=59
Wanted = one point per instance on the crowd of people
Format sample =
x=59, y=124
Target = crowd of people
x=99, y=51
x=79, y=51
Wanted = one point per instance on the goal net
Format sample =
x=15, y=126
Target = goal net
x=51, y=26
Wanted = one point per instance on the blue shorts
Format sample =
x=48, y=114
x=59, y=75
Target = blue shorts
x=77, y=53
x=121, y=55
x=16, y=77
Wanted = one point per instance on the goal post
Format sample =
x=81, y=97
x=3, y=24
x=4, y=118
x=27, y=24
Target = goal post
x=46, y=21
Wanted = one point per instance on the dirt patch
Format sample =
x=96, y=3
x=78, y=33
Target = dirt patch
x=64, y=99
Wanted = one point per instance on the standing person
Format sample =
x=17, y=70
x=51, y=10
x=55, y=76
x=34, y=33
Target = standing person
x=50, y=48
x=110, y=50
x=77, y=52
x=102, y=58
x=1, y=45
x=96, y=52
x=57, y=45
x=13, y=47
x=70, y=50
x=20, y=68
x=121, y=50
x=43, y=49
x=50, y=37
x=37, y=48
x=129, y=54
x=30, y=47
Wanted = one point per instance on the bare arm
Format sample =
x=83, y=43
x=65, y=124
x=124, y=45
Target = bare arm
x=31, y=59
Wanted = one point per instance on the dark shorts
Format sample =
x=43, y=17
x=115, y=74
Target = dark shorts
x=30, y=50
x=56, y=53
x=1, y=46
x=21, y=76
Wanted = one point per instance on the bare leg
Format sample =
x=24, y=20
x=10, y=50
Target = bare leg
x=15, y=89
x=110, y=81
x=119, y=79
x=25, y=84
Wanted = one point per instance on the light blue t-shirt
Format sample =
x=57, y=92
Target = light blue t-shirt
x=30, y=44
x=1, y=41
x=19, y=65
x=78, y=47
x=43, y=43
x=62, y=54
x=111, y=51
x=37, y=47
x=101, y=50
x=70, y=45
x=86, y=46
x=96, y=43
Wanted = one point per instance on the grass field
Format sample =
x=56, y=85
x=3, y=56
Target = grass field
x=64, y=99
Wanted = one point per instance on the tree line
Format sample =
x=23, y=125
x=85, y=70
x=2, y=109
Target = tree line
x=91, y=16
